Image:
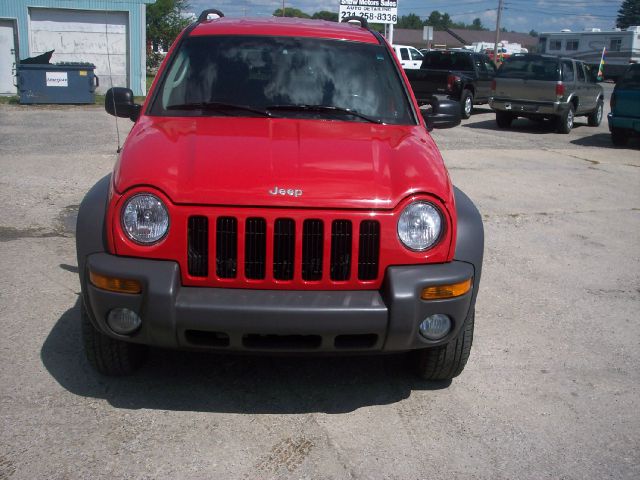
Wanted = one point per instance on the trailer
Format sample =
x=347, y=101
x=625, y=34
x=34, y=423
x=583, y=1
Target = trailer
x=622, y=47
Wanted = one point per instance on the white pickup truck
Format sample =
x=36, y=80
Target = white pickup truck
x=410, y=57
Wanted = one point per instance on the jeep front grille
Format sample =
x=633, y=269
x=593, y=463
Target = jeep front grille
x=198, y=246
x=226, y=247
x=283, y=249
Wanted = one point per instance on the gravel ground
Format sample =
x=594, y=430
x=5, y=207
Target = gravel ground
x=551, y=389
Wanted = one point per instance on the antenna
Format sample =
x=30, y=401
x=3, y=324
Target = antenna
x=106, y=33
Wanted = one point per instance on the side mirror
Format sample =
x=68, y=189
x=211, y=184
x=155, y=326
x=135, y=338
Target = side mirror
x=441, y=113
x=119, y=102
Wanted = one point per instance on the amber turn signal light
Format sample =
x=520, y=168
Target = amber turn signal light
x=113, y=284
x=440, y=292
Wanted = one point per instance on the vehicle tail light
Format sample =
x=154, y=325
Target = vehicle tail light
x=493, y=85
x=560, y=90
x=451, y=82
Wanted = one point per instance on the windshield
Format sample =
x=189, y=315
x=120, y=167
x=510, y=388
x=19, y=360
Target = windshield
x=460, y=61
x=630, y=78
x=247, y=75
x=537, y=68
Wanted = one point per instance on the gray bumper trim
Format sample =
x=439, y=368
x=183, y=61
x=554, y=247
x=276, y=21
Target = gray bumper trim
x=168, y=310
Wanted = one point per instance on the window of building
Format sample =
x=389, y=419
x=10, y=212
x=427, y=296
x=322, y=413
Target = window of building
x=555, y=45
x=542, y=44
x=572, y=44
x=616, y=45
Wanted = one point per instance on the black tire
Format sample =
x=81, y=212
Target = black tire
x=466, y=103
x=109, y=356
x=619, y=136
x=565, y=121
x=504, y=119
x=595, y=118
x=447, y=361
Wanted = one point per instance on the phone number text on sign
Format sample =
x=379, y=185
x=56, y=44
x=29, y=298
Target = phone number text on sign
x=375, y=11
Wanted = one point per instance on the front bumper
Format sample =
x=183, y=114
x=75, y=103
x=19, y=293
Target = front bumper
x=524, y=107
x=627, y=123
x=175, y=316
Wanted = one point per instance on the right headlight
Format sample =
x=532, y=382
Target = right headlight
x=145, y=218
x=419, y=226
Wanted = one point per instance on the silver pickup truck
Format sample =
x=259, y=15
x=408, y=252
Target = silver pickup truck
x=546, y=87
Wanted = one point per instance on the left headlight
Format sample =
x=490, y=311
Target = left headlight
x=145, y=218
x=419, y=226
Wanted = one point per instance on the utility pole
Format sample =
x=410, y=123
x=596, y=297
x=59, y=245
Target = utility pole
x=283, y=8
x=495, y=47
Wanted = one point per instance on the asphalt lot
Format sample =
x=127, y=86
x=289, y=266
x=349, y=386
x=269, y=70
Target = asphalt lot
x=551, y=391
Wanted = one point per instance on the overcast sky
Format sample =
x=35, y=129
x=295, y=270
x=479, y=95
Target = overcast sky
x=519, y=15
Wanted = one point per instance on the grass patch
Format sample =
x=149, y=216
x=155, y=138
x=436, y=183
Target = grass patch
x=9, y=100
x=150, y=79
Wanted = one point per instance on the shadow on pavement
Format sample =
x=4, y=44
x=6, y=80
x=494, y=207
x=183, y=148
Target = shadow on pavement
x=204, y=382
x=604, y=140
x=524, y=125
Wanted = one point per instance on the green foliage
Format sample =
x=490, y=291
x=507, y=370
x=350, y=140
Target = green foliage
x=291, y=12
x=477, y=25
x=165, y=22
x=442, y=21
x=629, y=14
x=325, y=15
x=533, y=33
x=411, y=21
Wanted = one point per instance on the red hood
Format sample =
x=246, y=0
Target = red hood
x=238, y=161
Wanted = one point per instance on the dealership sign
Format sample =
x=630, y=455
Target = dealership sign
x=375, y=11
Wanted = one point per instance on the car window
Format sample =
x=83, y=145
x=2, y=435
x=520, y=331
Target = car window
x=479, y=64
x=415, y=54
x=630, y=78
x=580, y=71
x=488, y=64
x=448, y=61
x=567, y=71
x=404, y=53
x=262, y=71
x=530, y=68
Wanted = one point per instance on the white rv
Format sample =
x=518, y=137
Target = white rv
x=623, y=47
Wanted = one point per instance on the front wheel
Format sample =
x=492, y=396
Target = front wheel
x=595, y=118
x=466, y=103
x=107, y=355
x=447, y=361
x=565, y=120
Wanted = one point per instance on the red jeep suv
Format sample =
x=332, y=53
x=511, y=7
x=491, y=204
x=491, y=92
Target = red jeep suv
x=279, y=192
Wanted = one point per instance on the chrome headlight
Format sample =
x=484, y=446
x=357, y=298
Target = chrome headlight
x=419, y=226
x=145, y=218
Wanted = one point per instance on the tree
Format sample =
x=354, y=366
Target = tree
x=435, y=20
x=533, y=33
x=411, y=21
x=165, y=21
x=291, y=12
x=476, y=25
x=629, y=14
x=325, y=15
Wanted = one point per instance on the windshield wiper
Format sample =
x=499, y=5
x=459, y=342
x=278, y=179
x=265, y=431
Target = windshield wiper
x=218, y=106
x=322, y=109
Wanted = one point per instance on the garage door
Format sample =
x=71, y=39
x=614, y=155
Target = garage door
x=93, y=36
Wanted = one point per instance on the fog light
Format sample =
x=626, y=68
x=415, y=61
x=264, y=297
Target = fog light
x=123, y=321
x=435, y=326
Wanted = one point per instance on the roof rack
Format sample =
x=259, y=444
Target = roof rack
x=204, y=16
x=355, y=20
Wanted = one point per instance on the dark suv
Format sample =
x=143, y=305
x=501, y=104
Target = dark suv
x=546, y=87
